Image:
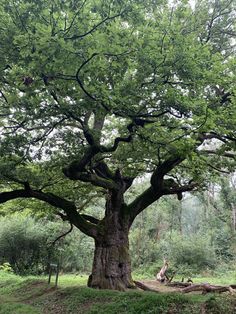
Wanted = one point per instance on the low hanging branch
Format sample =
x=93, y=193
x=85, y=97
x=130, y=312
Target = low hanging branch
x=62, y=235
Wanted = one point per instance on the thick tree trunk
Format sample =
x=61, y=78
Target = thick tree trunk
x=112, y=264
x=111, y=268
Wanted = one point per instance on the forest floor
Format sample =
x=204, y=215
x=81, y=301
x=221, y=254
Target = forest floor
x=159, y=287
x=32, y=295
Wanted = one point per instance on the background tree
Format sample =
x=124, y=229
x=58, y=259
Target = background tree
x=109, y=92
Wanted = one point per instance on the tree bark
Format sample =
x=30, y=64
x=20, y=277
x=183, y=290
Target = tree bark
x=112, y=265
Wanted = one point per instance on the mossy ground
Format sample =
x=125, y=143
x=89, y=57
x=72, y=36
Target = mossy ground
x=32, y=295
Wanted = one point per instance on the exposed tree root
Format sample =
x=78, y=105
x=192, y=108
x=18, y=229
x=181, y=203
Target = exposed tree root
x=109, y=283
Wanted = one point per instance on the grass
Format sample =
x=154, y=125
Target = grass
x=225, y=278
x=70, y=280
x=32, y=295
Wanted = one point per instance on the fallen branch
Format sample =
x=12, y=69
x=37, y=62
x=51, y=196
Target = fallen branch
x=178, y=284
x=206, y=288
x=144, y=287
x=171, y=278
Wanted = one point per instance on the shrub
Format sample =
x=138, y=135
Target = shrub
x=6, y=267
x=187, y=255
x=26, y=244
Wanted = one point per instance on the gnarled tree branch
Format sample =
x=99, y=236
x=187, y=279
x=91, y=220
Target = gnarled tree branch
x=148, y=197
x=67, y=206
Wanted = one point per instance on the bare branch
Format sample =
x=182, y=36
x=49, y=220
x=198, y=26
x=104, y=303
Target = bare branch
x=116, y=143
x=217, y=169
x=176, y=189
x=79, y=80
x=90, y=219
x=108, y=18
x=221, y=154
x=63, y=235
x=3, y=96
x=67, y=29
x=163, y=169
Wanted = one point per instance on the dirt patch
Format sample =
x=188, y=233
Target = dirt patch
x=32, y=290
x=49, y=301
x=53, y=304
x=39, y=294
x=159, y=287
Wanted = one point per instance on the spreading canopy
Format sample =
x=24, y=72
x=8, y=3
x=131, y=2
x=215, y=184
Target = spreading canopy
x=103, y=92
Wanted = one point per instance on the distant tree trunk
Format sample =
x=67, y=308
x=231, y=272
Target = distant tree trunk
x=180, y=218
x=161, y=276
x=233, y=217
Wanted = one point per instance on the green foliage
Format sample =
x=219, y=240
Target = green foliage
x=223, y=243
x=190, y=255
x=186, y=255
x=18, y=308
x=161, y=74
x=195, y=235
x=135, y=59
x=21, y=244
x=6, y=267
x=26, y=244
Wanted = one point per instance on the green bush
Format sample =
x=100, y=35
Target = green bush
x=192, y=254
x=21, y=244
x=26, y=244
x=6, y=267
x=187, y=255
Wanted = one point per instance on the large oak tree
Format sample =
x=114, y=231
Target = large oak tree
x=95, y=94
